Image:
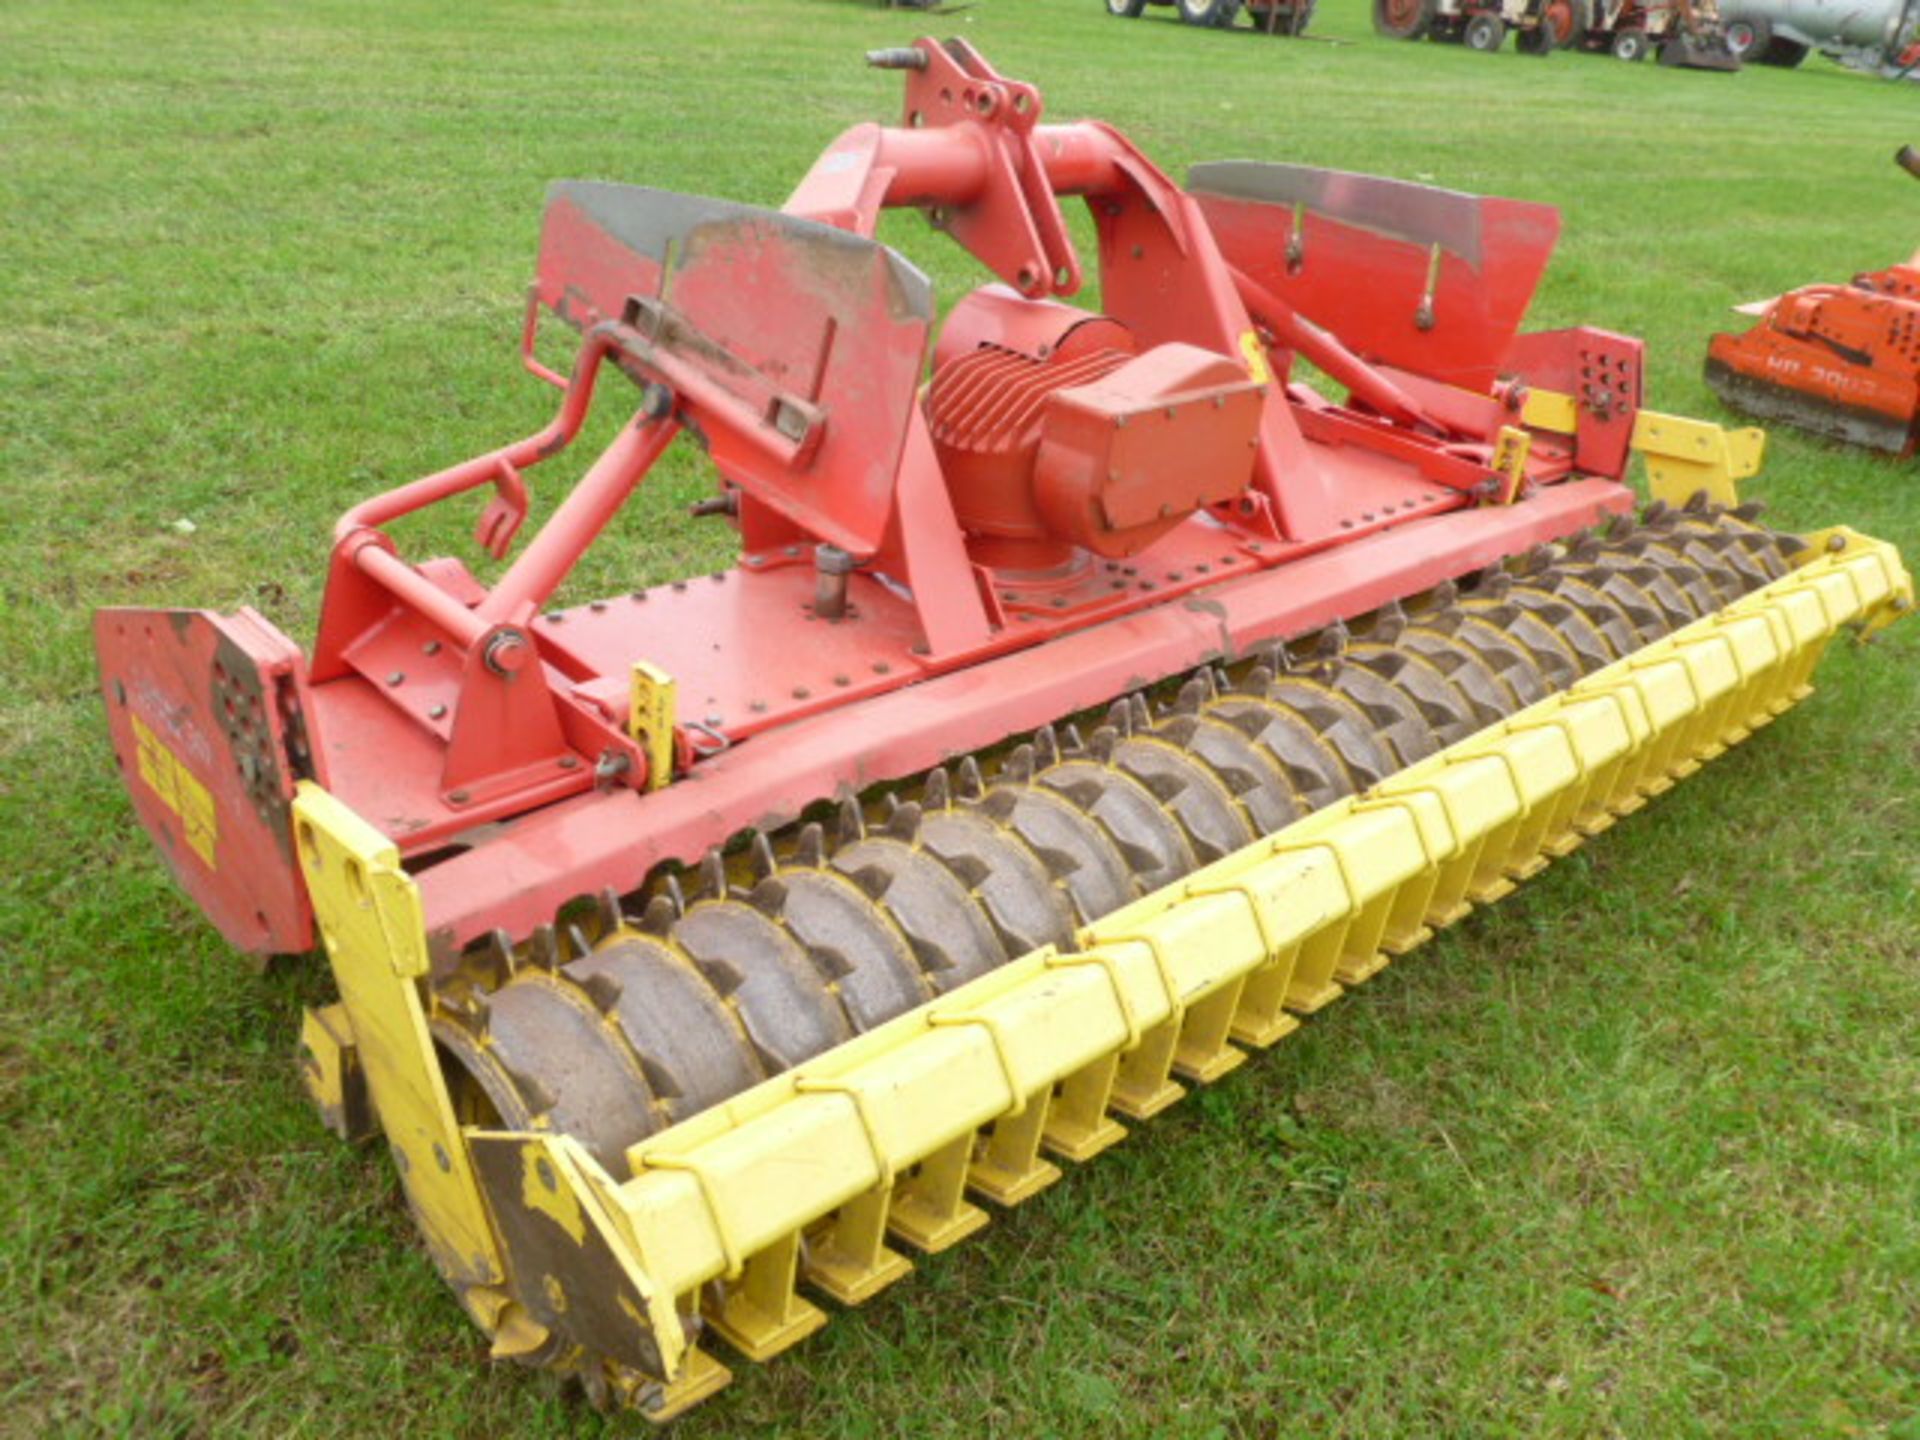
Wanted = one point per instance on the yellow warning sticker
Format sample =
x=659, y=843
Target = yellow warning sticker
x=1256, y=357
x=178, y=790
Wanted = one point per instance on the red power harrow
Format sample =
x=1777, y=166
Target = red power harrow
x=1092, y=696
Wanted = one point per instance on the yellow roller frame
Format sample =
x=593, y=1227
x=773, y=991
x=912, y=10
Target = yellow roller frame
x=808, y=1176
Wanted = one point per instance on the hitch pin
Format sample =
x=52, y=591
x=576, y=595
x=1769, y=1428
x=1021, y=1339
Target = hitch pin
x=831, y=566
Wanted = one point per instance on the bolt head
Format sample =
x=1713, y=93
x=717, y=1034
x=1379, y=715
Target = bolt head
x=506, y=652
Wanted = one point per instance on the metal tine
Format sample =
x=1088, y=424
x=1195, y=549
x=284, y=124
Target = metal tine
x=760, y=848
x=903, y=819
x=543, y=948
x=1101, y=746
x=937, y=793
x=660, y=916
x=1018, y=767
x=713, y=875
x=1046, y=745
x=606, y=911
x=499, y=948
x=972, y=784
x=810, y=848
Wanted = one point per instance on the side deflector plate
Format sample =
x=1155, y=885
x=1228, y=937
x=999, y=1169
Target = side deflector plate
x=772, y=309
x=1362, y=261
x=209, y=726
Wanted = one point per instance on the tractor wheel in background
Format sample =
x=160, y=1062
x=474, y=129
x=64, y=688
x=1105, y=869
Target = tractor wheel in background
x=1292, y=18
x=1485, y=32
x=1749, y=38
x=1403, y=19
x=1567, y=20
x=1213, y=14
x=1631, y=44
x=1537, y=41
x=1785, y=53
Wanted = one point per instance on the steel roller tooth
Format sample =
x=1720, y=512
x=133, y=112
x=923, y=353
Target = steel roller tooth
x=1008, y=881
x=1552, y=629
x=690, y=1047
x=1723, y=582
x=1148, y=838
x=1642, y=584
x=1719, y=540
x=1323, y=761
x=1314, y=772
x=1699, y=590
x=849, y=939
x=1447, y=712
x=1505, y=672
x=1491, y=694
x=1620, y=633
x=1390, y=716
x=1255, y=779
x=1645, y=615
x=543, y=948
x=951, y=937
x=548, y=1060
x=787, y=1009
x=1075, y=849
x=1183, y=784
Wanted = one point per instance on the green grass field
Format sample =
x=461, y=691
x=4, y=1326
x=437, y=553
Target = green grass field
x=1634, y=1154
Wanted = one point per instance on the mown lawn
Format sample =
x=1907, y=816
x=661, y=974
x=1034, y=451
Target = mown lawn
x=1634, y=1154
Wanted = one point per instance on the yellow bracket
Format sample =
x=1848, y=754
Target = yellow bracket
x=330, y=1071
x=1686, y=456
x=651, y=718
x=1510, y=462
x=1551, y=410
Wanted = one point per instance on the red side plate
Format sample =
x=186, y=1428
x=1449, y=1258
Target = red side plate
x=209, y=727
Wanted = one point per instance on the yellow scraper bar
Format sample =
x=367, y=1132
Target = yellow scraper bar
x=810, y=1175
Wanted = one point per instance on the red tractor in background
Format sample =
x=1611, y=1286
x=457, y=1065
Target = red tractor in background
x=1270, y=17
x=1477, y=24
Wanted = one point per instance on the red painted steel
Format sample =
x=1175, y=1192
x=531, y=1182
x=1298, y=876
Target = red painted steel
x=521, y=877
x=1069, y=506
x=208, y=719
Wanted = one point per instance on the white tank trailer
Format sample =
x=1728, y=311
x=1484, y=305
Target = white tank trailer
x=1882, y=36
